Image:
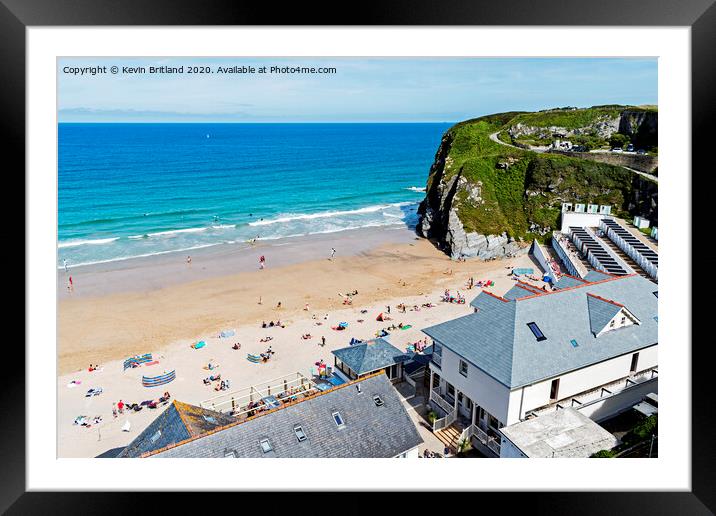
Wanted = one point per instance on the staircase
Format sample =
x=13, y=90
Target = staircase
x=449, y=436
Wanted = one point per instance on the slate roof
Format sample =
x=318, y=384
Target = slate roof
x=519, y=291
x=179, y=421
x=569, y=281
x=371, y=355
x=595, y=275
x=601, y=311
x=497, y=340
x=370, y=431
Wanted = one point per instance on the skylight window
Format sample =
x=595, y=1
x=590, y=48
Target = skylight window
x=339, y=420
x=300, y=434
x=574, y=343
x=378, y=401
x=209, y=419
x=656, y=293
x=536, y=331
x=230, y=454
x=156, y=436
x=266, y=445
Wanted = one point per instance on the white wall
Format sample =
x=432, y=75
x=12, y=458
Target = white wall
x=509, y=450
x=570, y=218
x=481, y=388
x=537, y=395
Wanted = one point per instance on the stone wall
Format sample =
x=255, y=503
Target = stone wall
x=640, y=162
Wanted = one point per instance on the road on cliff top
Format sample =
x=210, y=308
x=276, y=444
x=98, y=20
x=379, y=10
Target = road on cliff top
x=495, y=139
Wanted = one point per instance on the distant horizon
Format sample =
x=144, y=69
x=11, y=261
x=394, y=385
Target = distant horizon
x=236, y=122
x=355, y=90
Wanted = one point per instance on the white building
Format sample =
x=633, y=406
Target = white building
x=591, y=346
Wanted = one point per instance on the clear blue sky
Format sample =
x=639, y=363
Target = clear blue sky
x=362, y=90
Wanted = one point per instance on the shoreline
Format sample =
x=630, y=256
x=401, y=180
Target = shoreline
x=157, y=271
x=123, y=312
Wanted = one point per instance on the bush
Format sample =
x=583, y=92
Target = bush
x=644, y=430
x=604, y=454
x=432, y=416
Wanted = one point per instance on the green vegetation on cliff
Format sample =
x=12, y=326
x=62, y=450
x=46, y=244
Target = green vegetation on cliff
x=507, y=189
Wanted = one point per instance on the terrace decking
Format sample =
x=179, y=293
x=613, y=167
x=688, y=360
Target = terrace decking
x=642, y=254
x=599, y=256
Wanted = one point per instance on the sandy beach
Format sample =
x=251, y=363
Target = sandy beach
x=115, y=313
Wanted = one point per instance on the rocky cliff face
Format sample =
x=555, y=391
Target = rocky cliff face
x=488, y=200
x=439, y=219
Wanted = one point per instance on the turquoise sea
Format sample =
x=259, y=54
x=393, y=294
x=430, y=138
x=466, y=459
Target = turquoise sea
x=129, y=190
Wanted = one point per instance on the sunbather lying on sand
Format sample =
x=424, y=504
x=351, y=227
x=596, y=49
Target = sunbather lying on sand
x=266, y=339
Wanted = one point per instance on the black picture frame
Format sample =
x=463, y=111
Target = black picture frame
x=700, y=15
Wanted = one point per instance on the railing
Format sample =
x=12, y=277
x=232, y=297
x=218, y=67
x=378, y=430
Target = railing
x=584, y=399
x=492, y=443
x=441, y=402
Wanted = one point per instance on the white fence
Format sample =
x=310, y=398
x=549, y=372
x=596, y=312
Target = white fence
x=570, y=260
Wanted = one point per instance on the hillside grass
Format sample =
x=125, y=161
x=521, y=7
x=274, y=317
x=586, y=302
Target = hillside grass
x=568, y=118
x=531, y=190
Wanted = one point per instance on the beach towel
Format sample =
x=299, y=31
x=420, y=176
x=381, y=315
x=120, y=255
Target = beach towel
x=155, y=362
x=198, y=345
x=227, y=333
x=253, y=358
x=407, y=327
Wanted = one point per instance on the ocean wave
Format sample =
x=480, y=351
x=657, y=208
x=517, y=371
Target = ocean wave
x=416, y=189
x=327, y=214
x=75, y=243
x=123, y=258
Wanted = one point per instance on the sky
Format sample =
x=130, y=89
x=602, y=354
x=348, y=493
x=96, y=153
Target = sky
x=360, y=90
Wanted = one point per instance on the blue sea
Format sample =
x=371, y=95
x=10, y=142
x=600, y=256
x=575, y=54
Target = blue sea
x=130, y=190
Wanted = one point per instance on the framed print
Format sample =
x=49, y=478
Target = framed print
x=316, y=248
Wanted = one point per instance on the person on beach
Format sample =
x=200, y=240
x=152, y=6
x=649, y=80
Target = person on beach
x=120, y=407
x=323, y=340
x=70, y=285
x=306, y=308
x=333, y=252
x=64, y=262
x=114, y=410
x=278, y=306
x=388, y=307
x=262, y=262
x=188, y=260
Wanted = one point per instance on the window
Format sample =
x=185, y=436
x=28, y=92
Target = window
x=156, y=436
x=634, y=363
x=209, y=419
x=623, y=319
x=611, y=323
x=656, y=293
x=450, y=390
x=230, y=454
x=300, y=434
x=266, y=445
x=339, y=420
x=378, y=401
x=463, y=368
x=554, y=390
x=536, y=331
x=437, y=349
x=574, y=343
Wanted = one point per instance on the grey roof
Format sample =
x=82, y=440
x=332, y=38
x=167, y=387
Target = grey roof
x=179, y=421
x=601, y=311
x=497, y=339
x=563, y=433
x=518, y=291
x=370, y=431
x=371, y=355
x=568, y=282
x=595, y=275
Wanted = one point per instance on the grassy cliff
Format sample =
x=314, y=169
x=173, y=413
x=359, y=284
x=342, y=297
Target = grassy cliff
x=496, y=188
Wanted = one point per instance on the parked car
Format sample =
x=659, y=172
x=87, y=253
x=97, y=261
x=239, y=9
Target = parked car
x=641, y=151
x=630, y=147
x=617, y=149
